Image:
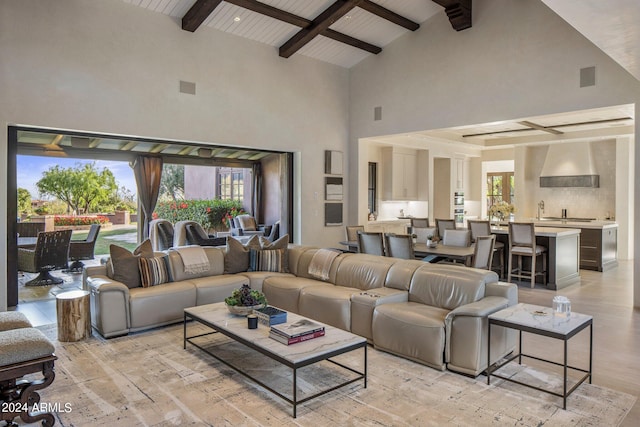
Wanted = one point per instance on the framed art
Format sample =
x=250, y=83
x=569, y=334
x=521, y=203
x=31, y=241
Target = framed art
x=332, y=214
x=333, y=188
x=333, y=162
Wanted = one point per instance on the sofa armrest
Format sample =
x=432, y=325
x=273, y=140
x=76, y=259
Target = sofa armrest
x=481, y=308
x=466, y=335
x=502, y=289
x=109, y=306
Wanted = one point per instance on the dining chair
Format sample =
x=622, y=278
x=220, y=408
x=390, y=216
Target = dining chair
x=460, y=238
x=419, y=223
x=50, y=253
x=522, y=243
x=370, y=243
x=481, y=227
x=423, y=233
x=483, y=252
x=352, y=232
x=399, y=245
x=444, y=224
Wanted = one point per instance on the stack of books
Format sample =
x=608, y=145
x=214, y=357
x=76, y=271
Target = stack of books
x=299, y=331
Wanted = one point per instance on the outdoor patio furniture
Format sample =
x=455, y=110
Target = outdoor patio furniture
x=197, y=236
x=30, y=229
x=246, y=225
x=161, y=234
x=50, y=253
x=83, y=249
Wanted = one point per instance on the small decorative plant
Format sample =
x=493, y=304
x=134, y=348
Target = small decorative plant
x=246, y=297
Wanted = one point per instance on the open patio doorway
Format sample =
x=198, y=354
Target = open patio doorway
x=220, y=168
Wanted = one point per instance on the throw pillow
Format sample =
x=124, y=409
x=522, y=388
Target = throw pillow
x=125, y=263
x=236, y=259
x=281, y=243
x=153, y=271
x=266, y=260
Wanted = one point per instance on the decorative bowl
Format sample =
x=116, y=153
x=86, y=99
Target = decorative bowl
x=243, y=310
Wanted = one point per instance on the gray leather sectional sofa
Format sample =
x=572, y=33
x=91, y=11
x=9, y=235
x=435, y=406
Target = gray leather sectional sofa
x=433, y=314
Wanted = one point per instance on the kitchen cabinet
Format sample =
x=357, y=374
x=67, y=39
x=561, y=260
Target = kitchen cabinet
x=599, y=249
x=400, y=167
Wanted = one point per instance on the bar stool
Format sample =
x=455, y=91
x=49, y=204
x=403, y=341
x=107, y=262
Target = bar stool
x=522, y=243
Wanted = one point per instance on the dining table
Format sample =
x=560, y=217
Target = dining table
x=421, y=251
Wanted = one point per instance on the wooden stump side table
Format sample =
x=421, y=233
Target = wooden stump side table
x=74, y=316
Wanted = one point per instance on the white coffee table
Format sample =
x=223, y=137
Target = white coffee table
x=541, y=320
x=295, y=356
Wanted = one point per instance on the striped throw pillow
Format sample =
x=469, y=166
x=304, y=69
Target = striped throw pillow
x=266, y=260
x=153, y=271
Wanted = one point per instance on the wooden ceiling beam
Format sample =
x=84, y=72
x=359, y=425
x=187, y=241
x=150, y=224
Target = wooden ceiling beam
x=458, y=11
x=265, y=9
x=390, y=16
x=298, y=21
x=200, y=10
x=321, y=23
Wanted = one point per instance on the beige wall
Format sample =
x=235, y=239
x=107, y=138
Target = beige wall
x=107, y=66
x=504, y=67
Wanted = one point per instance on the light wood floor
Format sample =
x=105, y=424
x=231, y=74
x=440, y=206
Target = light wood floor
x=607, y=296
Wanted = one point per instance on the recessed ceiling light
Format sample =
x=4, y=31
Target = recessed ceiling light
x=347, y=16
x=237, y=19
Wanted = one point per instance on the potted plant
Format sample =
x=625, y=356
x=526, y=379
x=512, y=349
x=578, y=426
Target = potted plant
x=430, y=242
x=244, y=300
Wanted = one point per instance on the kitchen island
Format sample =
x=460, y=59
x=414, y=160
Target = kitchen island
x=563, y=252
x=598, y=241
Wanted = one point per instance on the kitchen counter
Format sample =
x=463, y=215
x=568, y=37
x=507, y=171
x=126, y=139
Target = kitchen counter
x=563, y=253
x=595, y=224
x=598, y=241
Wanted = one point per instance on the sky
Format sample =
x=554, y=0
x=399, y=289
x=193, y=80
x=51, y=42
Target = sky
x=31, y=168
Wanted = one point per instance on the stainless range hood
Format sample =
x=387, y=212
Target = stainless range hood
x=569, y=165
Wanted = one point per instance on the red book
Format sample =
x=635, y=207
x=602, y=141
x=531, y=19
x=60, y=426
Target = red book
x=297, y=339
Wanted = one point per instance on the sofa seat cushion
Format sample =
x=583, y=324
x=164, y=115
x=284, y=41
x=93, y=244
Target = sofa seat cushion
x=328, y=304
x=283, y=291
x=257, y=278
x=214, y=289
x=161, y=304
x=412, y=330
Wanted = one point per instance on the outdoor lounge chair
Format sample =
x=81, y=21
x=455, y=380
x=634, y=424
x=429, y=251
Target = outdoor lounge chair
x=50, y=253
x=83, y=249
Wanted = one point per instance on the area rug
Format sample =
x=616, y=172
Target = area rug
x=148, y=379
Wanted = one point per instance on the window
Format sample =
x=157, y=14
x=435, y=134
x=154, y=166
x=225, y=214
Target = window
x=500, y=187
x=230, y=184
x=372, y=188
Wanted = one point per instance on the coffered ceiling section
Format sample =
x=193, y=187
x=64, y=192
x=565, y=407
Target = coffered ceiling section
x=341, y=32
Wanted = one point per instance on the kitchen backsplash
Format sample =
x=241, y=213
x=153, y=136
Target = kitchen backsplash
x=596, y=203
x=391, y=210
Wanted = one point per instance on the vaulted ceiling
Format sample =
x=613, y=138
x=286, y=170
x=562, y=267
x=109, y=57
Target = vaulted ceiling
x=341, y=32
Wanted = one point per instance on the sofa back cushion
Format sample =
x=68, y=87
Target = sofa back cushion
x=362, y=271
x=216, y=264
x=401, y=272
x=448, y=286
x=294, y=255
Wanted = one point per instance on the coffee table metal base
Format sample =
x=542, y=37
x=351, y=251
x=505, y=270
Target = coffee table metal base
x=294, y=401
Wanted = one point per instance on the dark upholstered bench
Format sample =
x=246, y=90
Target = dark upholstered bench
x=23, y=350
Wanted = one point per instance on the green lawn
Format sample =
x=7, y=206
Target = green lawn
x=108, y=237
